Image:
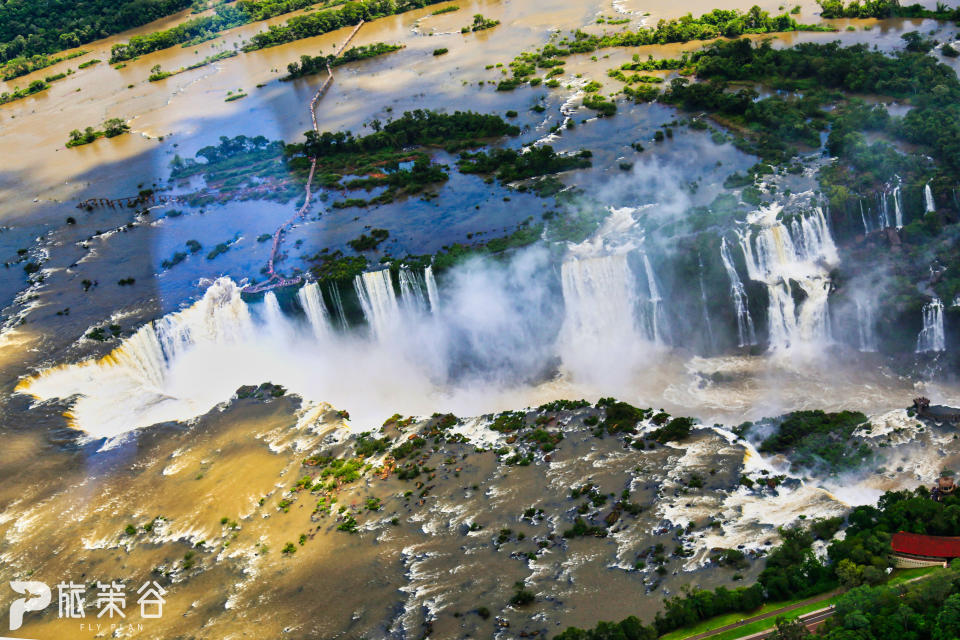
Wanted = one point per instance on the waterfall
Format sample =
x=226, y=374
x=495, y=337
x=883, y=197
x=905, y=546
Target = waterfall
x=655, y=318
x=928, y=198
x=433, y=296
x=312, y=302
x=219, y=317
x=379, y=302
x=866, y=227
x=600, y=301
x=897, y=211
x=706, y=312
x=884, y=211
x=778, y=256
x=272, y=314
x=866, y=326
x=338, y=304
x=745, y=332
x=932, y=337
x=132, y=386
x=411, y=291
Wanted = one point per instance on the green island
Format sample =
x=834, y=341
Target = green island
x=480, y=23
x=112, y=128
x=309, y=65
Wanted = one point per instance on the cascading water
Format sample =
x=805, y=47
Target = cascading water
x=272, y=313
x=884, y=211
x=338, y=304
x=897, y=211
x=931, y=206
x=411, y=291
x=863, y=216
x=379, y=302
x=140, y=367
x=932, y=337
x=866, y=326
x=655, y=316
x=777, y=256
x=433, y=295
x=312, y=302
x=745, y=332
x=706, y=311
x=600, y=313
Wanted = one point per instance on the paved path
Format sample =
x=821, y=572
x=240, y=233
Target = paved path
x=763, y=616
x=810, y=620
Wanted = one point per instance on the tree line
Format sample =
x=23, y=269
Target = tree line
x=228, y=16
x=859, y=562
x=308, y=65
x=29, y=28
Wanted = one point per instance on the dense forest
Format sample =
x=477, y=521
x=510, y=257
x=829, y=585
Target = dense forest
x=246, y=11
x=884, y=9
x=30, y=28
x=858, y=562
x=414, y=128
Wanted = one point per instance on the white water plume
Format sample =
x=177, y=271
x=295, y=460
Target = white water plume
x=863, y=216
x=897, y=211
x=379, y=302
x=311, y=300
x=928, y=201
x=655, y=317
x=866, y=326
x=932, y=337
x=600, y=322
x=802, y=254
x=746, y=336
x=433, y=294
x=132, y=386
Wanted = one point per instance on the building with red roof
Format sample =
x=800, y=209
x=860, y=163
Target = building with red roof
x=917, y=550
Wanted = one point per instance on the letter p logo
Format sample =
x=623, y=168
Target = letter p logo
x=38, y=597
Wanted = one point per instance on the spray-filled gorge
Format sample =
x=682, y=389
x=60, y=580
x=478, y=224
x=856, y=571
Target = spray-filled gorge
x=359, y=415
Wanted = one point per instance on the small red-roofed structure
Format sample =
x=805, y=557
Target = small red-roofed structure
x=917, y=550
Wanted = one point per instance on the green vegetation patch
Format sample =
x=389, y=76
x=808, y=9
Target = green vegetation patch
x=308, y=65
x=111, y=128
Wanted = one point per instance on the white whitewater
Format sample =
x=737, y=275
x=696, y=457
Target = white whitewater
x=272, y=313
x=866, y=326
x=863, y=216
x=928, y=198
x=433, y=295
x=140, y=368
x=932, y=337
x=411, y=291
x=777, y=256
x=600, y=322
x=338, y=305
x=746, y=335
x=897, y=210
x=311, y=300
x=655, y=317
x=706, y=311
x=379, y=302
